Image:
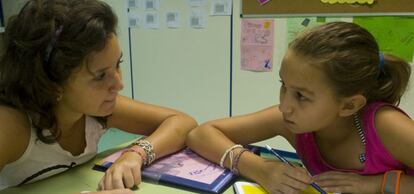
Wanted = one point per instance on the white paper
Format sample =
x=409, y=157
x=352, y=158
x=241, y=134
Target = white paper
x=134, y=4
x=151, y=5
x=198, y=19
x=196, y=3
x=172, y=19
x=151, y=20
x=134, y=20
x=221, y=7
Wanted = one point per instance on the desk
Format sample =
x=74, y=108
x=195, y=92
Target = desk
x=83, y=178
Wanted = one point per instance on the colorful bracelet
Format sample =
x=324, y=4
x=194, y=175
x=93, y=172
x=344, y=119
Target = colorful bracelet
x=227, y=152
x=391, y=182
x=236, y=160
x=149, y=150
x=138, y=151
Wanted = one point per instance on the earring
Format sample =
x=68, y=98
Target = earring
x=59, y=98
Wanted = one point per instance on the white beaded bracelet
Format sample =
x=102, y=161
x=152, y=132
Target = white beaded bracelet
x=223, y=157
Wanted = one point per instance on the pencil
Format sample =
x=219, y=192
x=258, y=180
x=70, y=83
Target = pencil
x=281, y=158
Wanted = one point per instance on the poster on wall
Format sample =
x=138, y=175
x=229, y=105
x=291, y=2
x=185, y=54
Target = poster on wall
x=257, y=43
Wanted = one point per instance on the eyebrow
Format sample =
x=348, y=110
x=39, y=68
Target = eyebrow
x=105, y=68
x=301, y=89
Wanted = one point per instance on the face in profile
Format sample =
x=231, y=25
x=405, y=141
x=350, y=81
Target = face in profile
x=307, y=100
x=93, y=89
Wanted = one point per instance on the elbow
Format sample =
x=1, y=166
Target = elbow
x=188, y=122
x=196, y=135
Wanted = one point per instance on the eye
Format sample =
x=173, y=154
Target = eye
x=119, y=63
x=300, y=96
x=100, y=77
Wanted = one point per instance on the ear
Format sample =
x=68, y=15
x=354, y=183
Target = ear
x=352, y=104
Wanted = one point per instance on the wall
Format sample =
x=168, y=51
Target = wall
x=184, y=68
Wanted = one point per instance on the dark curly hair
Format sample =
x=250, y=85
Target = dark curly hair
x=350, y=57
x=44, y=44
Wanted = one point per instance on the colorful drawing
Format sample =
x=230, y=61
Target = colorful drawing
x=257, y=42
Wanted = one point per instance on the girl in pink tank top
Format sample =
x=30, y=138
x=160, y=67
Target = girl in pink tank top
x=338, y=108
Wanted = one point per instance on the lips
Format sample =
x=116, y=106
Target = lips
x=288, y=121
x=111, y=99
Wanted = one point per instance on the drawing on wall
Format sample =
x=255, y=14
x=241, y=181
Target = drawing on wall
x=257, y=42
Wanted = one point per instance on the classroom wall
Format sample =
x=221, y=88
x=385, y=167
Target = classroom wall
x=184, y=68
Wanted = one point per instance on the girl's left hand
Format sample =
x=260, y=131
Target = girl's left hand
x=347, y=182
x=124, y=173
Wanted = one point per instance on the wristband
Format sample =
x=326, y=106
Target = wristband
x=138, y=151
x=236, y=160
x=149, y=150
x=391, y=182
x=227, y=152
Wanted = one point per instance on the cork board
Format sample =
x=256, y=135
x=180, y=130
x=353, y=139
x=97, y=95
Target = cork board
x=251, y=8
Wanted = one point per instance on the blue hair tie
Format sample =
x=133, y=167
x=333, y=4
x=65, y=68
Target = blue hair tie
x=381, y=61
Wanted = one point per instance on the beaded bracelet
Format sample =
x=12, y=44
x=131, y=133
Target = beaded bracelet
x=236, y=160
x=149, y=150
x=140, y=152
x=229, y=150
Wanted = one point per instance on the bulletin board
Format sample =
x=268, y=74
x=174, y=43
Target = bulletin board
x=251, y=8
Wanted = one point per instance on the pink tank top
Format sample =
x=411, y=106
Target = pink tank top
x=378, y=159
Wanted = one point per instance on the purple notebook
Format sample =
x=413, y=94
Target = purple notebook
x=183, y=169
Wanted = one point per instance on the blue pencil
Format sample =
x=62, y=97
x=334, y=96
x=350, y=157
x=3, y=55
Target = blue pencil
x=281, y=158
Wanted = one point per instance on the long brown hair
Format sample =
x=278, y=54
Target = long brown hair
x=350, y=57
x=44, y=44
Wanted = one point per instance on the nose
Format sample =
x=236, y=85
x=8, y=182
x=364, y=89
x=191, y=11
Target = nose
x=285, y=105
x=117, y=84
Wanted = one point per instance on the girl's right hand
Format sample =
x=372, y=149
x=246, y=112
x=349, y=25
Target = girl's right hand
x=283, y=178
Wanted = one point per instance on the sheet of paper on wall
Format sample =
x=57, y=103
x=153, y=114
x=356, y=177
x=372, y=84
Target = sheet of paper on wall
x=134, y=20
x=198, y=19
x=348, y=1
x=296, y=25
x=151, y=5
x=134, y=4
x=196, y=3
x=394, y=34
x=172, y=19
x=221, y=7
x=257, y=43
x=151, y=20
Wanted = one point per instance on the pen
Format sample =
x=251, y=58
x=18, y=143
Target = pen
x=281, y=158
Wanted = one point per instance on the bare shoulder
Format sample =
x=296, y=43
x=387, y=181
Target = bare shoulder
x=396, y=131
x=14, y=134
